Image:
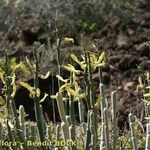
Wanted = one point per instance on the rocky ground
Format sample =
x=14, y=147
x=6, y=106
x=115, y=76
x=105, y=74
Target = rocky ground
x=127, y=47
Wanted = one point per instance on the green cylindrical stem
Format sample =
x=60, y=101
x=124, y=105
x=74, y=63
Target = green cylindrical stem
x=72, y=136
x=43, y=119
x=10, y=137
x=72, y=132
x=58, y=42
x=58, y=132
x=61, y=107
x=38, y=110
x=21, y=115
x=92, y=122
x=147, y=146
x=71, y=102
x=102, y=92
x=102, y=140
x=65, y=130
x=31, y=134
x=81, y=112
x=40, y=121
x=93, y=130
x=103, y=105
x=84, y=127
x=1, y=131
x=100, y=75
x=88, y=134
x=48, y=132
x=92, y=99
x=48, y=137
x=106, y=128
x=88, y=97
x=17, y=125
x=71, y=109
x=22, y=120
x=87, y=83
x=7, y=83
x=87, y=139
x=68, y=118
x=114, y=120
x=93, y=145
x=133, y=137
x=27, y=132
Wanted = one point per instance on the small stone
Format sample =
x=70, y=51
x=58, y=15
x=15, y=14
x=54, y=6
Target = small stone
x=144, y=49
x=123, y=41
x=128, y=86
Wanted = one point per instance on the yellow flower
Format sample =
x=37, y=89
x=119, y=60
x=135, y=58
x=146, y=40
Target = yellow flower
x=61, y=79
x=147, y=95
x=75, y=92
x=95, y=63
x=63, y=87
x=81, y=63
x=38, y=92
x=30, y=64
x=1, y=63
x=13, y=64
x=140, y=83
x=72, y=69
x=2, y=75
x=46, y=76
x=24, y=69
x=2, y=101
x=32, y=90
x=28, y=87
x=98, y=101
x=45, y=96
x=13, y=85
x=148, y=87
x=69, y=40
x=147, y=75
x=101, y=57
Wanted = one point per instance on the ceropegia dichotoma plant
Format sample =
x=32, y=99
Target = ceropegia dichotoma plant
x=102, y=134
x=72, y=91
x=144, y=84
x=8, y=70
